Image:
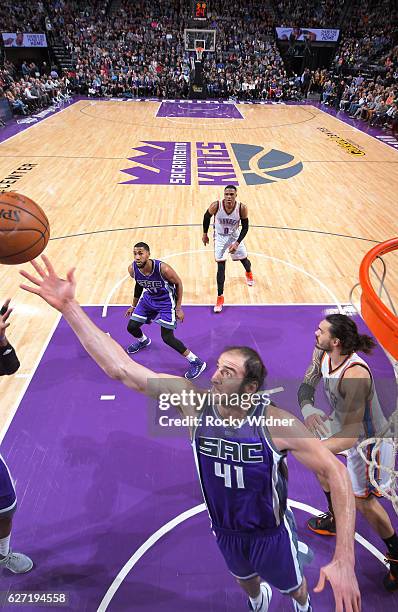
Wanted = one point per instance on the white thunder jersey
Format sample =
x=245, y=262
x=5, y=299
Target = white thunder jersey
x=227, y=224
x=373, y=419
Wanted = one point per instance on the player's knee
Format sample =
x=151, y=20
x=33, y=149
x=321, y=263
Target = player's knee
x=167, y=336
x=366, y=505
x=133, y=328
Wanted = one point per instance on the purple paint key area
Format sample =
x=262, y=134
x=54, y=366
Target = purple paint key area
x=204, y=109
x=94, y=485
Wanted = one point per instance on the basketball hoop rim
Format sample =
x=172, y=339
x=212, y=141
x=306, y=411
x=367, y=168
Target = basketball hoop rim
x=381, y=321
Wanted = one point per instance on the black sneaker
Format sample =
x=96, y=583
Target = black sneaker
x=324, y=524
x=390, y=581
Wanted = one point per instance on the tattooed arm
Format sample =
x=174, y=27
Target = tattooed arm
x=314, y=418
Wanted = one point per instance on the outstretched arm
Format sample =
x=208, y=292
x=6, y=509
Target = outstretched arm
x=315, y=456
x=107, y=353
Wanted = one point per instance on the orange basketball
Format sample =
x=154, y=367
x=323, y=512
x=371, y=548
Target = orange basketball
x=24, y=229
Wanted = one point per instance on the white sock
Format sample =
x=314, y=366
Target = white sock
x=143, y=338
x=191, y=357
x=5, y=546
x=305, y=607
x=256, y=601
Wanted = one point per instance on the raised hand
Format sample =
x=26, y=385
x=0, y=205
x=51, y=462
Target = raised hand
x=56, y=291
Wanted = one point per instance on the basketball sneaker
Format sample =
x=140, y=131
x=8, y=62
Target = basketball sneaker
x=249, y=279
x=220, y=304
x=324, y=524
x=17, y=563
x=137, y=346
x=266, y=593
x=195, y=369
x=295, y=605
x=390, y=581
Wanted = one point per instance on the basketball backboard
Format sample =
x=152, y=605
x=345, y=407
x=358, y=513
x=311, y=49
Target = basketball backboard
x=206, y=39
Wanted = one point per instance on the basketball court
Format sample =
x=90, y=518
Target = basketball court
x=111, y=512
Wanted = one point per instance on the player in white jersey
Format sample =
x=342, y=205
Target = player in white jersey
x=356, y=415
x=231, y=224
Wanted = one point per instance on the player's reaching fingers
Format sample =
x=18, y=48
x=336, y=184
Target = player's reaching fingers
x=30, y=278
x=48, y=264
x=38, y=268
x=30, y=289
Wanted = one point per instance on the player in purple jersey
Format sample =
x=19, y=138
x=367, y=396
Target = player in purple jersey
x=258, y=543
x=157, y=297
x=17, y=563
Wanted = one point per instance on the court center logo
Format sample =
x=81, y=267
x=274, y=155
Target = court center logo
x=170, y=163
x=259, y=168
x=161, y=163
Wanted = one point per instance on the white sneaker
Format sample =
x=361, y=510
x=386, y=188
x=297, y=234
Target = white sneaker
x=18, y=563
x=266, y=599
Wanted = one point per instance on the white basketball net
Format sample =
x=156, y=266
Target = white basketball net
x=199, y=53
x=390, y=431
x=390, y=434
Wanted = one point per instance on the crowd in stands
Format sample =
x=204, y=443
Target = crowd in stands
x=310, y=13
x=136, y=49
x=372, y=31
x=37, y=88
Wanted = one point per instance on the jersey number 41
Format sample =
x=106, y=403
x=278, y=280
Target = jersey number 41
x=228, y=475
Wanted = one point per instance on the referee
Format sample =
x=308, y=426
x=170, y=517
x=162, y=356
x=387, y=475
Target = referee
x=17, y=563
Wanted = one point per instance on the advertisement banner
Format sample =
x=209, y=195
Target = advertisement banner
x=21, y=39
x=313, y=34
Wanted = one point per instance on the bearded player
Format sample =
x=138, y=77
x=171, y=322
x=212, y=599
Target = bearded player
x=357, y=415
x=242, y=471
